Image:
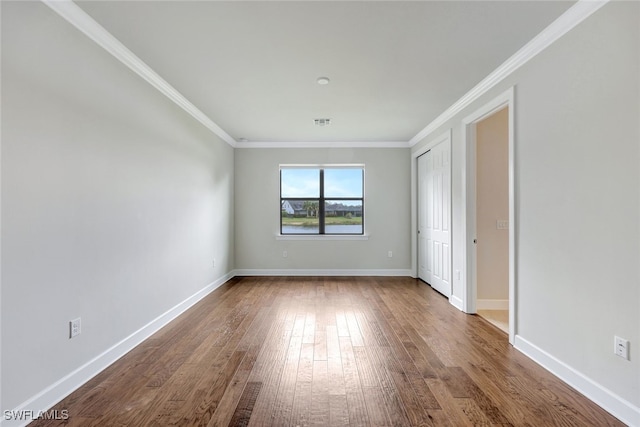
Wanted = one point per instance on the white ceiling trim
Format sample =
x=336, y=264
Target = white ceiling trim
x=565, y=22
x=87, y=25
x=323, y=144
x=77, y=17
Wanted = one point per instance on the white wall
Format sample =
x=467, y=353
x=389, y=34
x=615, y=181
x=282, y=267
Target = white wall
x=387, y=214
x=114, y=201
x=577, y=113
x=492, y=181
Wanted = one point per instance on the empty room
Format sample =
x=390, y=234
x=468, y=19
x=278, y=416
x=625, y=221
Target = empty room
x=320, y=213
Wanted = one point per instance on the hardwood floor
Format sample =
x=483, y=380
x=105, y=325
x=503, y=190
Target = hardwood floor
x=498, y=318
x=327, y=351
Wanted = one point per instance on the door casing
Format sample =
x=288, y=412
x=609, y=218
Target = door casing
x=506, y=99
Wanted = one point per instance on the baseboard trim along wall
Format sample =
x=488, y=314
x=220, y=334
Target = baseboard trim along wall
x=456, y=302
x=618, y=407
x=53, y=394
x=47, y=398
x=492, y=304
x=323, y=272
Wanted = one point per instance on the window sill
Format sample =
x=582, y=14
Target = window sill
x=321, y=237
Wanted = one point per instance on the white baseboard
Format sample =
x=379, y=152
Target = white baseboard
x=618, y=407
x=323, y=272
x=492, y=304
x=456, y=302
x=51, y=395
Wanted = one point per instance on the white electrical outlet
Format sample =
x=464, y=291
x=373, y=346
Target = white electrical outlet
x=621, y=347
x=213, y=263
x=74, y=328
x=390, y=254
x=284, y=254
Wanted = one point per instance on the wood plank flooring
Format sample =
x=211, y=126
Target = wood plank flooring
x=498, y=318
x=327, y=351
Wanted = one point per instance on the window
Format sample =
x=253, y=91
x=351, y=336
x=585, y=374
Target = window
x=322, y=200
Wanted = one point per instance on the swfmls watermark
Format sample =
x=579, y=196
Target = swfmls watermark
x=29, y=415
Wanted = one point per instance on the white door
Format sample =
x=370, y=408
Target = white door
x=425, y=266
x=434, y=217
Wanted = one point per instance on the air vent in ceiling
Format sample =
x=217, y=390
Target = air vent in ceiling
x=322, y=122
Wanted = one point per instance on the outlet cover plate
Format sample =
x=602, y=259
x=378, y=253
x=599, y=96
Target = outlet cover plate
x=621, y=347
x=75, y=327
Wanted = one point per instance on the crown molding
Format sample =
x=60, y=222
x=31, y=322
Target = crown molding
x=562, y=25
x=77, y=17
x=322, y=144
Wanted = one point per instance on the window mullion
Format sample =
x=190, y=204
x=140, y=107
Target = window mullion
x=341, y=206
x=321, y=204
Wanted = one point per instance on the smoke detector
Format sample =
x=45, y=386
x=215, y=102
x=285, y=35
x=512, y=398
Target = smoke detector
x=322, y=122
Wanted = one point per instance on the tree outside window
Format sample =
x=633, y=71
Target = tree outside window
x=322, y=200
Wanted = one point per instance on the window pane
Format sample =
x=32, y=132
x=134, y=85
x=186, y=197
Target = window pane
x=343, y=182
x=300, y=217
x=300, y=183
x=343, y=217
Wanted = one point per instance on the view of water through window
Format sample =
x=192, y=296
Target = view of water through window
x=322, y=200
x=329, y=229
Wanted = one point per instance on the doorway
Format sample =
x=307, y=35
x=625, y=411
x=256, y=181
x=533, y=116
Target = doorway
x=490, y=287
x=434, y=216
x=492, y=223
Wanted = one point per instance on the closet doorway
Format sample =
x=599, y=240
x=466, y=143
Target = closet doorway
x=434, y=217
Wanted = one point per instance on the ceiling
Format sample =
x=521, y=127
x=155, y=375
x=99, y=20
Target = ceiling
x=394, y=66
